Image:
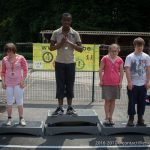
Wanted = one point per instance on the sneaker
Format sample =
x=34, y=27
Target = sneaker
x=71, y=111
x=9, y=122
x=22, y=122
x=58, y=111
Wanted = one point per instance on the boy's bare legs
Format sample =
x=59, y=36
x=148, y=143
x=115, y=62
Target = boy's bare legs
x=59, y=110
x=69, y=102
x=60, y=102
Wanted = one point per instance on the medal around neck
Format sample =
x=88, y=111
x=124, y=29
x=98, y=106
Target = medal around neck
x=66, y=48
x=12, y=73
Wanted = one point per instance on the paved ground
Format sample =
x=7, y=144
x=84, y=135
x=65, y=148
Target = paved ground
x=82, y=141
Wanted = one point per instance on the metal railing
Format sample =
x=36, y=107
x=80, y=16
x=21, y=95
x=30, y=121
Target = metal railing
x=41, y=85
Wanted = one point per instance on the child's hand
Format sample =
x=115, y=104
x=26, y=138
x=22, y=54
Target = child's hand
x=63, y=40
x=22, y=85
x=100, y=83
x=130, y=86
x=147, y=85
x=68, y=41
x=3, y=85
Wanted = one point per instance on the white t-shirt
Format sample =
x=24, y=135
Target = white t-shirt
x=65, y=54
x=138, y=64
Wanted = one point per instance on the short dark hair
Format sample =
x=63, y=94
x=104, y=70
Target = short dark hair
x=66, y=15
x=10, y=47
x=138, y=41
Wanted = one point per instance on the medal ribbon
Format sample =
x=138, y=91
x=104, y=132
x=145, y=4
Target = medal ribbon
x=12, y=67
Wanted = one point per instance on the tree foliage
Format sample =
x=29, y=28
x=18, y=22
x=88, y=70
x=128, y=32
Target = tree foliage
x=22, y=20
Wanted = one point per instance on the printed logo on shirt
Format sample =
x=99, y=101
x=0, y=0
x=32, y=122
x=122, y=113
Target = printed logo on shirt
x=138, y=67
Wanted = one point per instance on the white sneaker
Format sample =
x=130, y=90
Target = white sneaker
x=8, y=123
x=22, y=122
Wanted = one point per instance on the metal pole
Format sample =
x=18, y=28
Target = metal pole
x=93, y=89
x=149, y=46
x=93, y=80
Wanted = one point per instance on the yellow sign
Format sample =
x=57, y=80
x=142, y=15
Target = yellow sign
x=44, y=59
x=88, y=60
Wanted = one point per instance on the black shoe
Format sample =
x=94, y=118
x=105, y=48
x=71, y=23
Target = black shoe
x=130, y=121
x=71, y=111
x=141, y=124
x=140, y=121
x=58, y=111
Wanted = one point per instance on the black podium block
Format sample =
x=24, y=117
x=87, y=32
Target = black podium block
x=85, y=122
x=121, y=127
x=32, y=128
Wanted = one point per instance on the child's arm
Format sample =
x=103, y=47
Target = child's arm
x=121, y=74
x=78, y=46
x=54, y=45
x=25, y=71
x=3, y=71
x=101, y=73
x=24, y=67
x=147, y=77
x=128, y=75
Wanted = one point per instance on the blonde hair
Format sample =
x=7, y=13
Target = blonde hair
x=112, y=46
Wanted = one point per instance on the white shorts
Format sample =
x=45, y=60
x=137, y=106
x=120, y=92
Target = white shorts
x=14, y=93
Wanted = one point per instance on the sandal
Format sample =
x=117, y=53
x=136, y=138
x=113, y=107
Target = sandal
x=111, y=122
x=106, y=122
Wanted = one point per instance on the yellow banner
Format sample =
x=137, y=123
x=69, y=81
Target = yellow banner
x=44, y=59
x=88, y=60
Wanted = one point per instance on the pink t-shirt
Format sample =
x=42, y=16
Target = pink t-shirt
x=111, y=72
x=14, y=72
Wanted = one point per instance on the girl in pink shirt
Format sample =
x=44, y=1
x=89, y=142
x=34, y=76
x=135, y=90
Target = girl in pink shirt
x=111, y=75
x=13, y=73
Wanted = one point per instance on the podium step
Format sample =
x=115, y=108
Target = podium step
x=32, y=128
x=85, y=122
x=72, y=129
x=84, y=115
x=121, y=127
